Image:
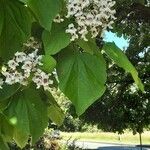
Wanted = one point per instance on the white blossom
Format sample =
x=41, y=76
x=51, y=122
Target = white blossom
x=58, y=19
x=12, y=64
x=24, y=67
x=93, y=15
x=1, y=83
x=42, y=79
x=20, y=57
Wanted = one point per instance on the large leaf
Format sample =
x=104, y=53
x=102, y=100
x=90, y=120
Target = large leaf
x=88, y=46
x=24, y=1
x=55, y=113
x=121, y=60
x=7, y=91
x=16, y=27
x=1, y=19
x=3, y=144
x=55, y=40
x=45, y=11
x=28, y=114
x=82, y=77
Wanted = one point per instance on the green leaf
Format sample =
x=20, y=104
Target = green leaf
x=45, y=11
x=7, y=91
x=1, y=19
x=6, y=128
x=28, y=114
x=82, y=77
x=88, y=46
x=55, y=113
x=55, y=40
x=16, y=27
x=122, y=61
x=24, y=1
x=3, y=144
x=49, y=63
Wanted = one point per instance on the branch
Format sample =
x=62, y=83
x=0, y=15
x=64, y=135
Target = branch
x=140, y=12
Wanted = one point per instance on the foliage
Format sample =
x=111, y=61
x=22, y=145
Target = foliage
x=123, y=106
x=80, y=64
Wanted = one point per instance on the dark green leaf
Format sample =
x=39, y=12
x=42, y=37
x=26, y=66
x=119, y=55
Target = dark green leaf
x=121, y=60
x=82, y=77
x=3, y=145
x=16, y=27
x=45, y=11
x=49, y=63
x=7, y=91
x=24, y=1
x=6, y=128
x=28, y=114
x=55, y=40
x=1, y=19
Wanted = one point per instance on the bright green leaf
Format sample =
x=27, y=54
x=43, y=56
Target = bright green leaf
x=49, y=63
x=45, y=11
x=28, y=114
x=16, y=27
x=55, y=40
x=82, y=77
x=56, y=114
x=121, y=60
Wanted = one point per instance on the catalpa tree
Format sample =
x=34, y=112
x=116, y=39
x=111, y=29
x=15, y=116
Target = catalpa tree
x=52, y=43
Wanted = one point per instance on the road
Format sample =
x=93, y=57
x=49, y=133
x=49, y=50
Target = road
x=105, y=146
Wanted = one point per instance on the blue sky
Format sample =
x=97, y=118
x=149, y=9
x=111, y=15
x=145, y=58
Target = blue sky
x=119, y=41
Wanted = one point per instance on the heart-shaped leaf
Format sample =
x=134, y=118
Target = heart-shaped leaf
x=82, y=78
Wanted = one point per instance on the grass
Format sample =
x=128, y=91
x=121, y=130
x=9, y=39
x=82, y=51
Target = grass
x=126, y=138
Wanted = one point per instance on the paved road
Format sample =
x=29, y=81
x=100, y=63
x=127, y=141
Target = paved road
x=106, y=146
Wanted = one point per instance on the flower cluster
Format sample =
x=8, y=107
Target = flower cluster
x=91, y=16
x=42, y=79
x=24, y=67
x=58, y=19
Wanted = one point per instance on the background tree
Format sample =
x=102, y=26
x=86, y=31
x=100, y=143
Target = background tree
x=123, y=106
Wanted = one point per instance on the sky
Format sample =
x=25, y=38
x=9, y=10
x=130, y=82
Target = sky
x=119, y=41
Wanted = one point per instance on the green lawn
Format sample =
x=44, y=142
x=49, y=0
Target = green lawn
x=127, y=138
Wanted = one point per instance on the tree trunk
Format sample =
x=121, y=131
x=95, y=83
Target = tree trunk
x=140, y=136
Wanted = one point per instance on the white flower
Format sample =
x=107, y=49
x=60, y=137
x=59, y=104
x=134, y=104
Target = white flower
x=71, y=29
x=1, y=83
x=92, y=14
x=10, y=79
x=20, y=57
x=89, y=19
x=13, y=77
x=42, y=79
x=12, y=64
x=58, y=19
x=27, y=66
x=18, y=77
x=20, y=69
x=73, y=37
x=33, y=55
x=94, y=32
